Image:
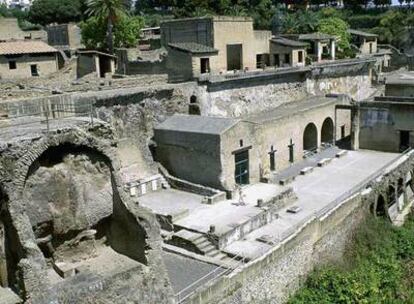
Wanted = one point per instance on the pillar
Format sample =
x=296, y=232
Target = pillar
x=355, y=124
x=318, y=51
x=333, y=49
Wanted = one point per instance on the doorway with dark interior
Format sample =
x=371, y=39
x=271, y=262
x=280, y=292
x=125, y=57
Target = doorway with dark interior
x=204, y=65
x=404, y=140
x=234, y=57
x=242, y=167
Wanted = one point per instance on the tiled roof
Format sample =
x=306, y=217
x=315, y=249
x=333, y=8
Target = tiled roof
x=25, y=47
x=191, y=47
x=289, y=42
x=316, y=36
x=361, y=33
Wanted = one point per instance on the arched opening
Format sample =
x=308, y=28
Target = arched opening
x=8, y=247
x=310, y=138
x=194, y=107
x=381, y=207
x=70, y=194
x=327, y=132
x=391, y=196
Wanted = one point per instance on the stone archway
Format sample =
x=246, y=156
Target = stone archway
x=310, y=138
x=381, y=207
x=327, y=132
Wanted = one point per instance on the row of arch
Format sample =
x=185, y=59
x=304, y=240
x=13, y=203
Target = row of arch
x=310, y=134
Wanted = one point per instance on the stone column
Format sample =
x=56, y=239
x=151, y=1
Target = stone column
x=333, y=49
x=318, y=51
x=355, y=124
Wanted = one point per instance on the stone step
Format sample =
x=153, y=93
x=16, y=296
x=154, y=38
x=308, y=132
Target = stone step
x=200, y=240
x=324, y=161
x=341, y=153
x=306, y=170
x=287, y=180
x=206, y=247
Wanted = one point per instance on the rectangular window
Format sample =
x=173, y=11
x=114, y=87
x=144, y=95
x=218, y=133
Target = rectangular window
x=12, y=65
x=33, y=70
x=300, y=56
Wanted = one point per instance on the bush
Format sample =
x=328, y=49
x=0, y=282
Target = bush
x=364, y=21
x=378, y=268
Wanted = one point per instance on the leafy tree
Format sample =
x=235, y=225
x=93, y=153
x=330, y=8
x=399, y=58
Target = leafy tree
x=108, y=11
x=338, y=28
x=55, y=11
x=125, y=32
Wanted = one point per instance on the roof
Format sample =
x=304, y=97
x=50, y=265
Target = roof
x=193, y=48
x=213, y=18
x=361, y=33
x=197, y=124
x=291, y=108
x=96, y=52
x=405, y=78
x=316, y=36
x=289, y=42
x=25, y=47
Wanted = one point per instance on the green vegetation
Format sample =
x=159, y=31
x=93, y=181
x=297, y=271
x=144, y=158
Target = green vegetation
x=108, y=19
x=378, y=268
x=126, y=32
x=50, y=11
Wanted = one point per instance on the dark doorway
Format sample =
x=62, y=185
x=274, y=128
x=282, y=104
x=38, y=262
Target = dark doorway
x=242, y=167
x=300, y=56
x=327, y=132
x=291, y=147
x=380, y=210
x=310, y=138
x=404, y=140
x=205, y=65
x=33, y=70
x=104, y=65
x=234, y=57
x=342, y=132
x=276, y=60
x=287, y=58
x=272, y=159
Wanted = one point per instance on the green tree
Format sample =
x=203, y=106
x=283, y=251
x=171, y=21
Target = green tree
x=55, y=11
x=126, y=32
x=109, y=11
x=339, y=28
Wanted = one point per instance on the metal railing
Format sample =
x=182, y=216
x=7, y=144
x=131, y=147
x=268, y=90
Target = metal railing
x=45, y=115
x=186, y=292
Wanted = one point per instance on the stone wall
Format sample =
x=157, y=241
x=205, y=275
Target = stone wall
x=46, y=64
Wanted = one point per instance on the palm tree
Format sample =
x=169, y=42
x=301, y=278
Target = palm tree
x=109, y=11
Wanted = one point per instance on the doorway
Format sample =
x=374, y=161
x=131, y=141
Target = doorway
x=204, y=65
x=404, y=140
x=234, y=57
x=242, y=167
x=276, y=60
x=33, y=70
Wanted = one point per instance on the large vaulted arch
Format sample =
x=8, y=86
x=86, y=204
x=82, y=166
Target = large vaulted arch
x=310, y=137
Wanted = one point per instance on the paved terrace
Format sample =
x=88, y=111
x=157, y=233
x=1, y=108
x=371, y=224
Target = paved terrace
x=315, y=192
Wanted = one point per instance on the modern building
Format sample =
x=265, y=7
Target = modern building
x=25, y=59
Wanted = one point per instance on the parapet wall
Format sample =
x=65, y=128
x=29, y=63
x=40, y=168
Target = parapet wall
x=323, y=238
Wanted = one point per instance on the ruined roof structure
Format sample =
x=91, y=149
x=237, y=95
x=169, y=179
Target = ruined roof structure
x=197, y=124
x=193, y=48
x=361, y=33
x=25, y=47
x=289, y=42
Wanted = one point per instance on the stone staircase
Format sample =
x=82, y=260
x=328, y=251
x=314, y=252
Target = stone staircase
x=200, y=244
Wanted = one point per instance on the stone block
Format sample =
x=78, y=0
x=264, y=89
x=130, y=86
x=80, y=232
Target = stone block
x=341, y=153
x=64, y=270
x=323, y=162
x=306, y=170
x=285, y=181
